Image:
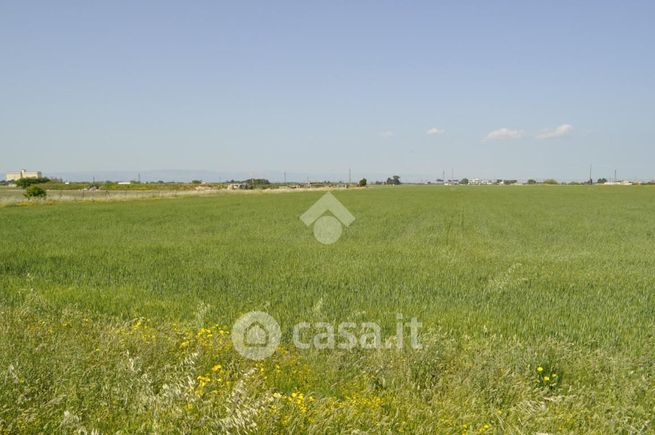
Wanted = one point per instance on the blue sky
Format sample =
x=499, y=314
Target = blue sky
x=507, y=89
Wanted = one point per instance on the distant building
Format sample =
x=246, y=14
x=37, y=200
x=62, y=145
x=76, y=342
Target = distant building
x=619, y=183
x=238, y=186
x=15, y=176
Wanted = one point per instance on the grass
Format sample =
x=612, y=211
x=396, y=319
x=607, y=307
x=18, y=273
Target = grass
x=113, y=315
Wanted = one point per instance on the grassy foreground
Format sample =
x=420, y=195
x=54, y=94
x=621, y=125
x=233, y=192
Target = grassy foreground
x=538, y=306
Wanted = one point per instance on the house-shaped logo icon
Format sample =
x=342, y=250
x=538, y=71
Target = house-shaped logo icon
x=255, y=335
x=327, y=228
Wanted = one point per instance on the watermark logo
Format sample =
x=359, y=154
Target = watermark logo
x=351, y=335
x=256, y=335
x=327, y=228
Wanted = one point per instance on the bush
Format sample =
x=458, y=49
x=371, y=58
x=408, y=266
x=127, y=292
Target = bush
x=362, y=182
x=35, y=192
x=550, y=181
x=27, y=182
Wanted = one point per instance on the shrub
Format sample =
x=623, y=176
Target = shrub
x=362, y=182
x=27, y=182
x=35, y=191
x=550, y=181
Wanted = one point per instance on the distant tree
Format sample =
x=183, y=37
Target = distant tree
x=464, y=181
x=508, y=182
x=362, y=182
x=531, y=181
x=601, y=181
x=196, y=181
x=550, y=181
x=256, y=182
x=26, y=182
x=35, y=191
x=395, y=180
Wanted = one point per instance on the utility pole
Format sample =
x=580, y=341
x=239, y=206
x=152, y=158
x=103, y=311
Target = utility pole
x=615, y=176
x=591, y=180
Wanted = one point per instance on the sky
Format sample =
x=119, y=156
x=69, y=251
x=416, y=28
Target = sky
x=487, y=89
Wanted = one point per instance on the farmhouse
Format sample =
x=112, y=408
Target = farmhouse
x=17, y=175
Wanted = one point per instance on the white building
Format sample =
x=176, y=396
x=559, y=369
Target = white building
x=14, y=176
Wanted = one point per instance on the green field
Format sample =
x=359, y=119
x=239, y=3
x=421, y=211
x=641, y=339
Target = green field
x=537, y=304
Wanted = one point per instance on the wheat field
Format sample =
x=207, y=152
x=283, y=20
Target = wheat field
x=537, y=305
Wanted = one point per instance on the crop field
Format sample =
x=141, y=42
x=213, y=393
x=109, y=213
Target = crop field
x=537, y=306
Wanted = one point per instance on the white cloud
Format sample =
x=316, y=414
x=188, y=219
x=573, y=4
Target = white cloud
x=435, y=131
x=504, y=134
x=386, y=133
x=560, y=131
